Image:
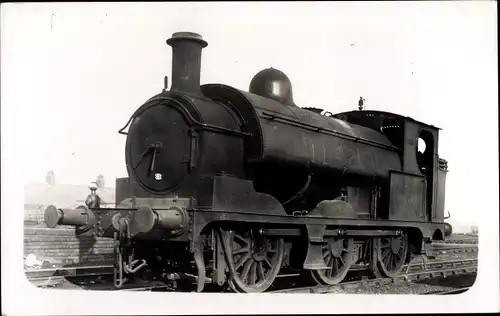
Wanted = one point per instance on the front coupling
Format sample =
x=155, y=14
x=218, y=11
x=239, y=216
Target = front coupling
x=119, y=222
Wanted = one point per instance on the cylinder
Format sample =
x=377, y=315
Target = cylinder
x=72, y=217
x=186, y=61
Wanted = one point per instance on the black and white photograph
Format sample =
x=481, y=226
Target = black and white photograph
x=245, y=157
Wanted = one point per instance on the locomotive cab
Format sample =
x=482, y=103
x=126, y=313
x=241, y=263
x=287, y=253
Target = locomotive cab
x=419, y=147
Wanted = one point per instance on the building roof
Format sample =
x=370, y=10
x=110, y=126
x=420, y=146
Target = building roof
x=38, y=195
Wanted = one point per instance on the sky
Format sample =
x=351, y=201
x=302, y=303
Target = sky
x=72, y=74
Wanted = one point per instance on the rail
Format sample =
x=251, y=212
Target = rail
x=457, y=240
x=57, y=276
x=413, y=271
x=452, y=291
x=419, y=271
x=437, y=249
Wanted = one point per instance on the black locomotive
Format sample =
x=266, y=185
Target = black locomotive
x=231, y=187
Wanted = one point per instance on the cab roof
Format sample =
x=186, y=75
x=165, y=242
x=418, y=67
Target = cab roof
x=381, y=115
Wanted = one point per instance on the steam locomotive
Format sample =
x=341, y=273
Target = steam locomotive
x=228, y=187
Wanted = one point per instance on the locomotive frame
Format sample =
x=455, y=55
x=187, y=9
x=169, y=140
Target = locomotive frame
x=362, y=194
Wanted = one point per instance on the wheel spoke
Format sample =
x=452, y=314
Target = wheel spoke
x=253, y=273
x=326, y=254
x=327, y=259
x=328, y=271
x=330, y=267
x=241, y=260
x=242, y=249
x=341, y=260
x=389, y=263
x=385, y=253
x=236, y=236
x=329, y=263
x=402, y=250
x=246, y=269
x=387, y=260
x=336, y=264
x=261, y=271
x=268, y=263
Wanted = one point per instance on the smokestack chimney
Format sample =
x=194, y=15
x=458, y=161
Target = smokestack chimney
x=50, y=178
x=100, y=181
x=186, y=61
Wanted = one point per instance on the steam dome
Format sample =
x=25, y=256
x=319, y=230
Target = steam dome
x=273, y=84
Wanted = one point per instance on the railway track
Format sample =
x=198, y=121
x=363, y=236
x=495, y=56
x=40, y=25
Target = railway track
x=447, y=292
x=471, y=241
x=418, y=271
x=52, y=277
x=414, y=271
x=440, y=248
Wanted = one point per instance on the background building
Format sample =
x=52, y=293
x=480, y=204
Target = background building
x=37, y=196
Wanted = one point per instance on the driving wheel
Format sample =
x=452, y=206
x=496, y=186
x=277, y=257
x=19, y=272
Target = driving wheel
x=338, y=257
x=256, y=259
x=391, y=254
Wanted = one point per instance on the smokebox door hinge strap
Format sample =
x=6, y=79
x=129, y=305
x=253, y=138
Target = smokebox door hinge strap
x=193, y=150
